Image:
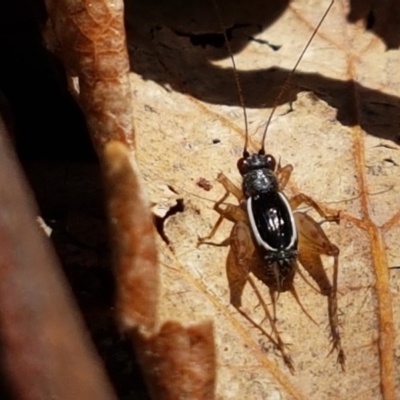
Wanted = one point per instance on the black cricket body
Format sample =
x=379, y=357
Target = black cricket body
x=266, y=240
x=271, y=218
x=270, y=215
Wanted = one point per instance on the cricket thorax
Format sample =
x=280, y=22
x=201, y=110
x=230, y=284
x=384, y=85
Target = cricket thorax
x=259, y=181
x=258, y=174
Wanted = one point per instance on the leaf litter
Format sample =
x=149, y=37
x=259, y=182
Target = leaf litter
x=190, y=126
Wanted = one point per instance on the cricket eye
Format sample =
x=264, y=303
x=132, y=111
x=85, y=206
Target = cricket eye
x=270, y=161
x=242, y=166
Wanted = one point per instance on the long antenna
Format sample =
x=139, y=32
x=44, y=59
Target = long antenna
x=237, y=81
x=286, y=84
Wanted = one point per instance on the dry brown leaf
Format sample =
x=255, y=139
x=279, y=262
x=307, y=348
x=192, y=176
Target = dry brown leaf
x=90, y=39
x=45, y=345
x=342, y=143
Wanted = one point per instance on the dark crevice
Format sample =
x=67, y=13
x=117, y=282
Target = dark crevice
x=172, y=189
x=159, y=221
x=216, y=40
x=370, y=21
x=391, y=161
x=50, y=134
x=44, y=119
x=273, y=47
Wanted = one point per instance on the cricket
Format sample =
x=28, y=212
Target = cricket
x=271, y=239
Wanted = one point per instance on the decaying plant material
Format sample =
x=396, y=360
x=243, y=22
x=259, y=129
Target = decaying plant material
x=90, y=39
x=44, y=344
x=341, y=139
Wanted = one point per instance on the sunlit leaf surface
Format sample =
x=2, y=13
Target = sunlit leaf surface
x=341, y=137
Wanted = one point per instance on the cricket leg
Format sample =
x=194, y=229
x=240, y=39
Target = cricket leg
x=230, y=212
x=230, y=187
x=283, y=174
x=240, y=261
x=312, y=244
x=217, y=206
x=324, y=212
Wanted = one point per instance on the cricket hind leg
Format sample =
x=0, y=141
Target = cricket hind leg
x=242, y=259
x=297, y=298
x=313, y=243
